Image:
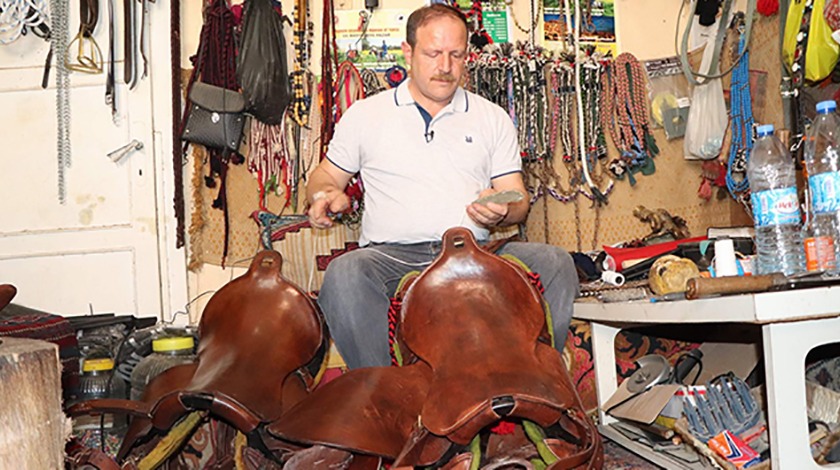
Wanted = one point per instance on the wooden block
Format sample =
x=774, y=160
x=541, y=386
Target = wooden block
x=32, y=424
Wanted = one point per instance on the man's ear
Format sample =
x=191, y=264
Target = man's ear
x=406, y=48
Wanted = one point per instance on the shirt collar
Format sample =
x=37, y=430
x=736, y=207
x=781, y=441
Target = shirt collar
x=459, y=103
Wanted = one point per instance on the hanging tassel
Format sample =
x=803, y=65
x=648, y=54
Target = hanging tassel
x=767, y=7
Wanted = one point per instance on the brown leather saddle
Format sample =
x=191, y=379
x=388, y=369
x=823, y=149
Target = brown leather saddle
x=474, y=340
x=7, y=293
x=258, y=334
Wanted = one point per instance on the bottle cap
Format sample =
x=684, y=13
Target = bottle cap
x=765, y=130
x=94, y=365
x=173, y=344
x=825, y=107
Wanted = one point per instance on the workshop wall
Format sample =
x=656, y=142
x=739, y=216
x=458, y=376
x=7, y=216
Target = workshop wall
x=645, y=28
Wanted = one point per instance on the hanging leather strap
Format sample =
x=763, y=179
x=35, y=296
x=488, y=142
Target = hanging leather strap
x=690, y=74
x=129, y=45
x=110, y=85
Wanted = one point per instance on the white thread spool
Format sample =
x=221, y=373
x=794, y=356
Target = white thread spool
x=612, y=278
x=725, y=263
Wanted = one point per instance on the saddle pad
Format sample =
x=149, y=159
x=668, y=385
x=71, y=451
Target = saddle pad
x=455, y=310
x=368, y=410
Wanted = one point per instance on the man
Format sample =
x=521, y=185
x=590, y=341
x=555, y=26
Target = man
x=426, y=150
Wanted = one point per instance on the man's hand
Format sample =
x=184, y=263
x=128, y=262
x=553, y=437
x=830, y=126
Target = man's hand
x=326, y=203
x=488, y=215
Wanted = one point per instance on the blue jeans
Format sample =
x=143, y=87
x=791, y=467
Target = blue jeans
x=358, y=286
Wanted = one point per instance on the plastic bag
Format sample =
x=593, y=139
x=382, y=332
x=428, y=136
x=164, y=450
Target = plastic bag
x=707, y=118
x=668, y=92
x=822, y=51
x=262, y=67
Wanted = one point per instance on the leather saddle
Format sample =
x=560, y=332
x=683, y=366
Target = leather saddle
x=258, y=334
x=476, y=351
x=7, y=293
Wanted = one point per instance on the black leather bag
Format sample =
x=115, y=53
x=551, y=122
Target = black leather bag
x=216, y=117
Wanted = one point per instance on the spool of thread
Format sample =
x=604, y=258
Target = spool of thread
x=612, y=278
x=725, y=263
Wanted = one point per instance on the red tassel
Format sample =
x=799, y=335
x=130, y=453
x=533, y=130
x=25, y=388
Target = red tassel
x=767, y=7
x=503, y=427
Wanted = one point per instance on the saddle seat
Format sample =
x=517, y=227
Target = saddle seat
x=257, y=334
x=473, y=335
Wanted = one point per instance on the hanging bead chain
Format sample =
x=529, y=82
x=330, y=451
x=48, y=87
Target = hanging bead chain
x=741, y=118
x=59, y=12
x=533, y=21
x=302, y=42
x=540, y=95
x=595, y=144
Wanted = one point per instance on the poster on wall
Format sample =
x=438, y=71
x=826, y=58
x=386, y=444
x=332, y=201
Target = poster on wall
x=371, y=39
x=597, y=24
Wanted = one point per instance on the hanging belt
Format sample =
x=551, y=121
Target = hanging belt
x=130, y=44
x=690, y=74
x=144, y=5
x=110, y=86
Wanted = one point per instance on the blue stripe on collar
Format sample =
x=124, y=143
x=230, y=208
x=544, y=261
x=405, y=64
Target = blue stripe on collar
x=402, y=97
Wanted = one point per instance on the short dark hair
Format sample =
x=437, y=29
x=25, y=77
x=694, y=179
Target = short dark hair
x=423, y=15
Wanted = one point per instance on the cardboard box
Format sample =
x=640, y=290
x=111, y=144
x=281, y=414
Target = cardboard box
x=646, y=407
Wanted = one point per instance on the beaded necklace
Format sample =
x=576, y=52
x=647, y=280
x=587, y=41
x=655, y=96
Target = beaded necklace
x=594, y=150
x=534, y=20
x=302, y=42
x=539, y=93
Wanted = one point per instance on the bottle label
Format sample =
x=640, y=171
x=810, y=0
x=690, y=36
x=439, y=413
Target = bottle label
x=825, y=192
x=775, y=207
x=819, y=254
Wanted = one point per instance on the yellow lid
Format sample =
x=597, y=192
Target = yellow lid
x=93, y=365
x=173, y=344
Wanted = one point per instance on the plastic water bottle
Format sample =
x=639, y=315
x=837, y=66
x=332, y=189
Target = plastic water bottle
x=822, y=160
x=775, y=206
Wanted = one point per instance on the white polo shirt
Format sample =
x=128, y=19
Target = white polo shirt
x=419, y=178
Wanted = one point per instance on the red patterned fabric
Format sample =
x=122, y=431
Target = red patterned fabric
x=22, y=322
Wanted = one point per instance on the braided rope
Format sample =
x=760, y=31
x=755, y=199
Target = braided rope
x=625, y=114
x=17, y=15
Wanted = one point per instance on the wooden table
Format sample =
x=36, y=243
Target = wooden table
x=792, y=323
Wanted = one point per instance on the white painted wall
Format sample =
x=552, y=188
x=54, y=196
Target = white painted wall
x=110, y=248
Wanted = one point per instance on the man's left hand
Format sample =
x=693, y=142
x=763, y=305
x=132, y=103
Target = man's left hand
x=490, y=215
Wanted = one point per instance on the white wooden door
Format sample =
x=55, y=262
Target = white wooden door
x=109, y=248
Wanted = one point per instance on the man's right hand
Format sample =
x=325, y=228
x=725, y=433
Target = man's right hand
x=325, y=204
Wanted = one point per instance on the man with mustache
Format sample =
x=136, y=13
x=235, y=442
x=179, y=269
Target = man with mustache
x=425, y=151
